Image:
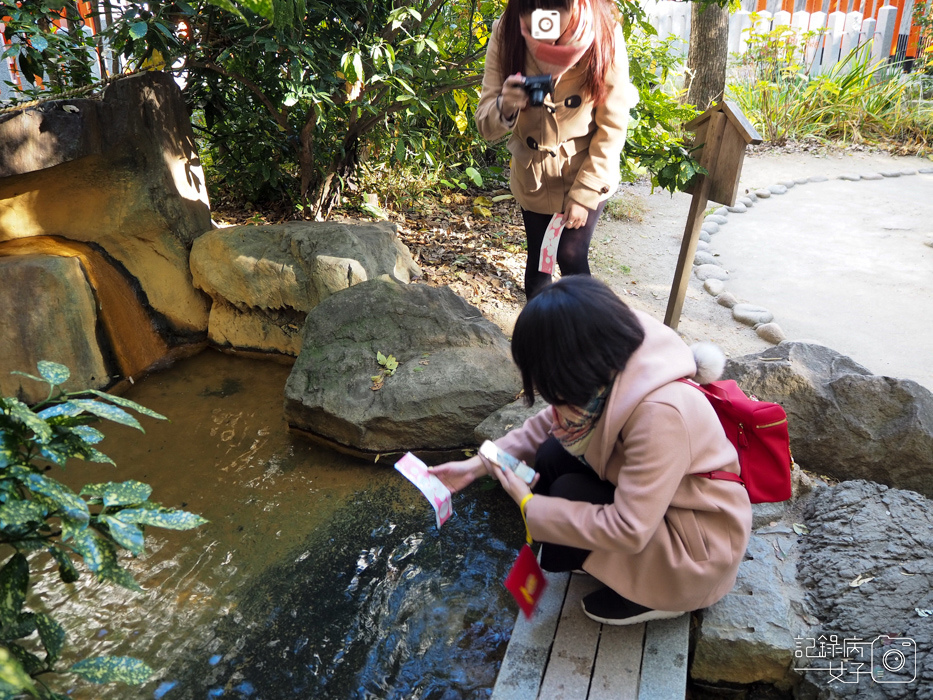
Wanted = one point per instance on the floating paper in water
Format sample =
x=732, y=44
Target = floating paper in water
x=433, y=489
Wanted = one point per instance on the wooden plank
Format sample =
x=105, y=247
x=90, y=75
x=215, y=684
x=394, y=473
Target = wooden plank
x=568, y=672
x=618, y=663
x=530, y=645
x=664, y=662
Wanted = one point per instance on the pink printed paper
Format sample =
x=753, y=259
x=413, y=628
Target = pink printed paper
x=550, y=243
x=433, y=489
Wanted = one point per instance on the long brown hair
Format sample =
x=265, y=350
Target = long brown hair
x=597, y=59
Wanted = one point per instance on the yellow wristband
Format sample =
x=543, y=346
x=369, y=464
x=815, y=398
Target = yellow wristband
x=521, y=507
x=524, y=501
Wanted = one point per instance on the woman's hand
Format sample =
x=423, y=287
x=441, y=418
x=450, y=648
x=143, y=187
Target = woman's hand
x=576, y=215
x=456, y=476
x=513, y=96
x=515, y=487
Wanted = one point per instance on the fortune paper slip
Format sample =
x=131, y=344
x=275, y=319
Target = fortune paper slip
x=433, y=489
x=550, y=243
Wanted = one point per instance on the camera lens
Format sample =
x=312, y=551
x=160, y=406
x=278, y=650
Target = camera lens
x=545, y=24
x=894, y=660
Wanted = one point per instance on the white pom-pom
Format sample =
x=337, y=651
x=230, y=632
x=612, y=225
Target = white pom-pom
x=711, y=361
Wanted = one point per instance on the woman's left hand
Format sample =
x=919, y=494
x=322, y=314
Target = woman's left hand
x=576, y=215
x=515, y=487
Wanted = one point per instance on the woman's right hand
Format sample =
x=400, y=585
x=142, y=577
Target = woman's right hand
x=456, y=476
x=513, y=97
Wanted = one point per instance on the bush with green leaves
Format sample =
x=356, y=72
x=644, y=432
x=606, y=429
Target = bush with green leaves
x=40, y=516
x=856, y=101
x=290, y=97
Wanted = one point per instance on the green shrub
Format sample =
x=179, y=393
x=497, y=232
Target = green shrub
x=41, y=516
x=856, y=101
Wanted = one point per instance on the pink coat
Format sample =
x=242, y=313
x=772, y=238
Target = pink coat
x=670, y=541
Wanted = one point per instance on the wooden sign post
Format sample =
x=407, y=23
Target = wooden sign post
x=723, y=132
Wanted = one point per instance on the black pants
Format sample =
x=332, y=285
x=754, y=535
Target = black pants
x=565, y=476
x=572, y=252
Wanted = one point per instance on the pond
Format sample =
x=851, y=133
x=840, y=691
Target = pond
x=318, y=575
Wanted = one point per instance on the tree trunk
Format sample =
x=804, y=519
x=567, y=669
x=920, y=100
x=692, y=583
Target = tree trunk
x=709, y=52
x=326, y=195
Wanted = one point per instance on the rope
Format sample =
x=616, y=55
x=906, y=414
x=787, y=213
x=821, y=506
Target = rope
x=72, y=93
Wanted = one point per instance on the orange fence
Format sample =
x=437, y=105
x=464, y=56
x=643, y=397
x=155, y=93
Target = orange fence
x=903, y=44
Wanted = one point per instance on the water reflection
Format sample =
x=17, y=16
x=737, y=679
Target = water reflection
x=318, y=576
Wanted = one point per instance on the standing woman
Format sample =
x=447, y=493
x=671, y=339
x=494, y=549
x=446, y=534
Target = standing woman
x=566, y=152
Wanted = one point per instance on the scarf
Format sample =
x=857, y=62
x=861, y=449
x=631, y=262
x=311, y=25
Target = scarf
x=575, y=433
x=559, y=57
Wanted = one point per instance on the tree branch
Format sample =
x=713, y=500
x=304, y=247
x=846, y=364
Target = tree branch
x=280, y=116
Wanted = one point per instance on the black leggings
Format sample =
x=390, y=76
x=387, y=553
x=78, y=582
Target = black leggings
x=572, y=252
x=565, y=476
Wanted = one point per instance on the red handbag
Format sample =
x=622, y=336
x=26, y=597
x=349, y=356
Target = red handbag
x=758, y=430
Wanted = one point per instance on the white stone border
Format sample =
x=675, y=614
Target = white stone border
x=708, y=269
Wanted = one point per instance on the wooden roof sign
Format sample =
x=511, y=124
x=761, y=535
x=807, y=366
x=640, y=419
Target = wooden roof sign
x=727, y=168
x=722, y=133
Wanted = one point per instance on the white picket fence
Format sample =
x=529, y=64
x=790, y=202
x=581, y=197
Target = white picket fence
x=837, y=33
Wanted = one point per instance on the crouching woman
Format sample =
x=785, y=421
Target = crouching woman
x=624, y=453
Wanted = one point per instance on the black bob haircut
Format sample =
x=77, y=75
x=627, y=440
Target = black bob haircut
x=571, y=339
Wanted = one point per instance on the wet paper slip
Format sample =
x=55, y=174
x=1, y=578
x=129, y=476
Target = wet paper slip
x=433, y=489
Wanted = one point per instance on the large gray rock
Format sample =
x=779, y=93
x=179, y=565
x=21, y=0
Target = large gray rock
x=748, y=636
x=868, y=567
x=507, y=418
x=58, y=324
x=264, y=279
x=454, y=370
x=121, y=173
x=845, y=422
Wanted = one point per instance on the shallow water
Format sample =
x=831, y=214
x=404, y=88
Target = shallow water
x=318, y=576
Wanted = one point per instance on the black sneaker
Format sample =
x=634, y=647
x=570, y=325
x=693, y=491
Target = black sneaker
x=609, y=608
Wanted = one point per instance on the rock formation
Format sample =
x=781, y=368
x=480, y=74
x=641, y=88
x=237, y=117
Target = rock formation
x=120, y=177
x=265, y=279
x=454, y=369
x=844, y=421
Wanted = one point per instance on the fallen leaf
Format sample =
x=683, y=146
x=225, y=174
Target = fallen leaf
x=860, y=580
x=71, y=108
x=801, y=529
x=924, y=613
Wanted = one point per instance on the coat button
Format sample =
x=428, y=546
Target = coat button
x=573, y=101
x=532, y=144
x=603, y=189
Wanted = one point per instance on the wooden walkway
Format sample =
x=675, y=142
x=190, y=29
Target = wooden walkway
x=560, y=654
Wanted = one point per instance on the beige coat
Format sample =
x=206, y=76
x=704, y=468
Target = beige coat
x=670, y=541
x=572, y=153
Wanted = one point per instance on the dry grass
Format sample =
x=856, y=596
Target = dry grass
x=627, y=206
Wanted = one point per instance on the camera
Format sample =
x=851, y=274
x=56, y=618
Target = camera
x=537, y=86
x=893, y=659
x=545, y=24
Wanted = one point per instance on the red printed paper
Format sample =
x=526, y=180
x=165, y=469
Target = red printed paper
x=549, y=244
x=526, y=581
